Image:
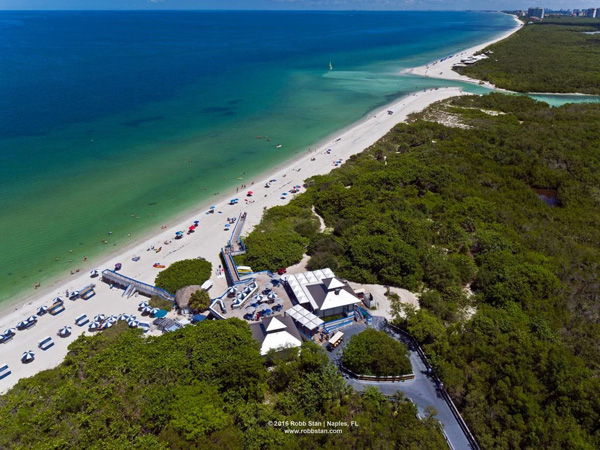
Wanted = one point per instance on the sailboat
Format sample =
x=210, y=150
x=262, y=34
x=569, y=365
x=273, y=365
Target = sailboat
x=330, y=66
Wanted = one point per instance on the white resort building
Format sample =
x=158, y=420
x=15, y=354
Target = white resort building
x=276, y=333
x=321, y=293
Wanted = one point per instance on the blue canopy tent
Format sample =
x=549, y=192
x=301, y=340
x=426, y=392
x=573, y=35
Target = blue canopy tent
x=160, y=313
x=198, y=318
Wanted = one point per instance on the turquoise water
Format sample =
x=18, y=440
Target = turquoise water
x=118, y=121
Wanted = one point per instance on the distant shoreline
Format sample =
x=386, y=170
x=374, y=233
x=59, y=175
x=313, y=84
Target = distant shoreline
x=442, y=68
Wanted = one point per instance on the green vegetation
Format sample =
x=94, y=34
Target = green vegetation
x=551, y=56
x=373, y=352
x=199, y=300
x=202, y=387
x=281, y=238
x=160, y=303
x=183, y=273
x=438, y=209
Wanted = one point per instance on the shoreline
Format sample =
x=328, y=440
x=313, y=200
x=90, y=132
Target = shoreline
x=442, y=68
x=49, y=288
x=206, y=242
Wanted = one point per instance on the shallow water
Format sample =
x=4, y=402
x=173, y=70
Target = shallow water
x=114, y=122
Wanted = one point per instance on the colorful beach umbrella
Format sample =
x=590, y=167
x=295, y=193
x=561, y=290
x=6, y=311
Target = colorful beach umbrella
x=64, y=331
x=196, y=222
x=212, y=207
x=28, y=356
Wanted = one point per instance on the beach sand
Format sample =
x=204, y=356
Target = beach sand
x=206, y=242
x=443, y=69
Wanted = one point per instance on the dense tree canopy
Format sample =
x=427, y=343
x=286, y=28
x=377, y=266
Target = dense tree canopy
x=509, y=284
x=373, y=352
x=281, y=238
x=554, y=55
x=183, y=273
x=202, y=387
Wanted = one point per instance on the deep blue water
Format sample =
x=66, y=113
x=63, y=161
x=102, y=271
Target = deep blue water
x=109, y=115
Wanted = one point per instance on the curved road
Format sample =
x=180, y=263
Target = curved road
x=422, y=390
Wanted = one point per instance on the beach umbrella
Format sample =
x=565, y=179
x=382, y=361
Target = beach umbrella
x=146, y=310
x=212, y=207
x=22, y=324
x=42, y=310
x=285, y=193
x=178, y=233
x=196, y=222
x=123, y=316
x=107, y=324
x=10, y=332
x=192, y=227
x=27, y=356
x=112, y=318
x=132, y=317
x=94, y=325
x=232, y=289
x=142, y=304
x=99, y=317
x=32, y=319
x=272, y=296
x=94, y=273
x=132, y=323
x=64, y=331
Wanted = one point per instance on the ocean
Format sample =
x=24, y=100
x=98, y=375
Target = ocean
x=114, y=123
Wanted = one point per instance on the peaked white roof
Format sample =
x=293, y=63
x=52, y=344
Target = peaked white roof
x=275, y=325
x=333, y=283
x=277, y=341
x=333, y=300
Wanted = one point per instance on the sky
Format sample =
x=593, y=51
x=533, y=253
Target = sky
x=292, y=4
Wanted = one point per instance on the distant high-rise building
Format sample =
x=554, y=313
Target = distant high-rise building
x=536, y=12
x=591, y=12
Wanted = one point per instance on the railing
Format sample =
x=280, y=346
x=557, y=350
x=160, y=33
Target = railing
x=409, y=376
x=230, y=265
x=339, y=323
x=445, y=395
x=143, y=288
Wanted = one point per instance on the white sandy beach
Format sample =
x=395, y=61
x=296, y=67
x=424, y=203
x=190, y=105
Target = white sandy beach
x=443, y=69
x=205, y=242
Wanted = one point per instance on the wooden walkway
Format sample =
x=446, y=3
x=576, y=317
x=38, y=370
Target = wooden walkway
x=114, y=278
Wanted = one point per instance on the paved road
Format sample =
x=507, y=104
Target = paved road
x=422, y=390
